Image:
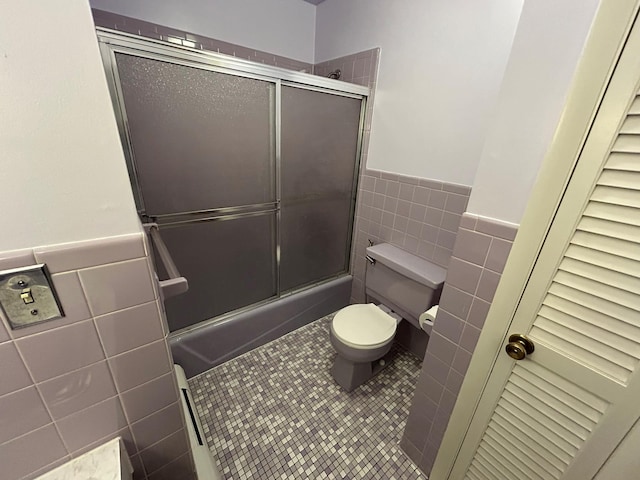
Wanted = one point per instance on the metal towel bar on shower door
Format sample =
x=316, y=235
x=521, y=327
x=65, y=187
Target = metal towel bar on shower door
x=175, y=284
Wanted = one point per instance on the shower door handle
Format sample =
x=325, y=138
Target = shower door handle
x=175, y=284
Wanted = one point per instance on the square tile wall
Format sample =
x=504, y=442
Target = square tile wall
x=418, y=215
x=479, y=256
x=104, y=370
x=134, y=26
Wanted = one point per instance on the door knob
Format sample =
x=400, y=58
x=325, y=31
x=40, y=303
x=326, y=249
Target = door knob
x=519, y=346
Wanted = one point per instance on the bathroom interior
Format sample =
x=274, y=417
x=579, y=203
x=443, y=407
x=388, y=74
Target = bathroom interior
x=271, y=230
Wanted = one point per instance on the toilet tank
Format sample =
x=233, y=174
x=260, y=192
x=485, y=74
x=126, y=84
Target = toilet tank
x=407, y=284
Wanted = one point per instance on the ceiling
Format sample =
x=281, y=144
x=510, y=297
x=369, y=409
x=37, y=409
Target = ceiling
x=315, y=2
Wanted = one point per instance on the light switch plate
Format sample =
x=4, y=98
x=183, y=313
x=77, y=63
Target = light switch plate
x=27, y=296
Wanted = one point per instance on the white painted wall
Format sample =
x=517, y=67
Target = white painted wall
x=62, y=172
x=282, y=27
x=546, y=50
x=441, y=68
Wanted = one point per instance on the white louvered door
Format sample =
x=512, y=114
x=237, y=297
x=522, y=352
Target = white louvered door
x=561, y=411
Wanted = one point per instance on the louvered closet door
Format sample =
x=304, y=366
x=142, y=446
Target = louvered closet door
x=560, y=412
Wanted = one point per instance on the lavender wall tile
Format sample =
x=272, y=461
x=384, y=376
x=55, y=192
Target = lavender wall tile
x=438, y=199
x=456, y=301
x=425, y=249
x=468, y=221
x=4, y=335
x=47, y=468
x=124, y=434
x=498, y=254
x=390, y=204
x=179, y=469
x=16, y=258
x=138, y=469
x=430, y=387
x=441, y=256
x=446, y=239
x=139, y=366
x=461, y=361
x=22, y=412
x=488, y=285
x=413, y=452
x=404, y=208
x=478, y=312
x=472, y=246
x=31, y=452
x=400, y=223
x=438, y=369
x=406, y=192
x=469, y=338
x=381, y=186
x=495, y=228
x=450, y=221
x=61, y=350
x=393, y=189
x=146, y=399
x=433, y=216
x=442, y=348
x=78, y=390
x=127, y=329
x=419, y=424
x=417, y=212
x=456, y=203
x=414, y=228
x=429, y=183
x=455, y=188
x=449, y=326
x=454, y=381
x=91, y=424
x=463, y=275
x=411, y=244
x=165, y=451
x=157, y=426
x=117, y=286
x=428, y=457
x=77, y=255
x=421, y=195
x=429, y=233
x=13, y=374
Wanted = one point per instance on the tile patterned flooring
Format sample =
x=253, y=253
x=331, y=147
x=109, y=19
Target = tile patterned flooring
x=276, y=413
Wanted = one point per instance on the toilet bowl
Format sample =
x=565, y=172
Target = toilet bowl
x=363, y=334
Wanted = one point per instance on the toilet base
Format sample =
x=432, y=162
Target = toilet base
x=350, y=375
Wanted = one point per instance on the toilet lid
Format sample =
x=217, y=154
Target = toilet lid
x=363, y=325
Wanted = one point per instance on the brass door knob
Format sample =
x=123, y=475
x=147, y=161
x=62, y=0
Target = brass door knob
x=519, y=346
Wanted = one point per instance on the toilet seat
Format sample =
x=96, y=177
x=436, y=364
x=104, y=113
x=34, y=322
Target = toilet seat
x=363, y=326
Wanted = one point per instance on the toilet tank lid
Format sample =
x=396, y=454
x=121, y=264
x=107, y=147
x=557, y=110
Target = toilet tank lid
x=409, y=265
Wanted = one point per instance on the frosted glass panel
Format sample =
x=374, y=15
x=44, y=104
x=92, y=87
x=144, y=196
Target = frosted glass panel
x=200, y=139
x=314, y=239
x=319, y=147
x=229, y=264
x=319, y=143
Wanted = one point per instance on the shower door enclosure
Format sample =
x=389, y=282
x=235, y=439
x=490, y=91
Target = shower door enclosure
x=248, y=171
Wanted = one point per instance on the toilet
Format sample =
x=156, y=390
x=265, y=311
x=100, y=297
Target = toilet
x=405, y=286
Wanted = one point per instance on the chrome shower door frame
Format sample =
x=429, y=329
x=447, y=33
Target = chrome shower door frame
x=112, y=42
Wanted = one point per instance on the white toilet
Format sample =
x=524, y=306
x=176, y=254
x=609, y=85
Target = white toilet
x=406, y=286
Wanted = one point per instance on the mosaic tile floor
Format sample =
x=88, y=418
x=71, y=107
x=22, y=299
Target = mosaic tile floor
x=276, y=413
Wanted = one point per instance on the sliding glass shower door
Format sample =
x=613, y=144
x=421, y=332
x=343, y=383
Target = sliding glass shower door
x=250, y=179
x=319, y=153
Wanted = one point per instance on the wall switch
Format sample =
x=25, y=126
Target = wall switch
x=27, y=296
